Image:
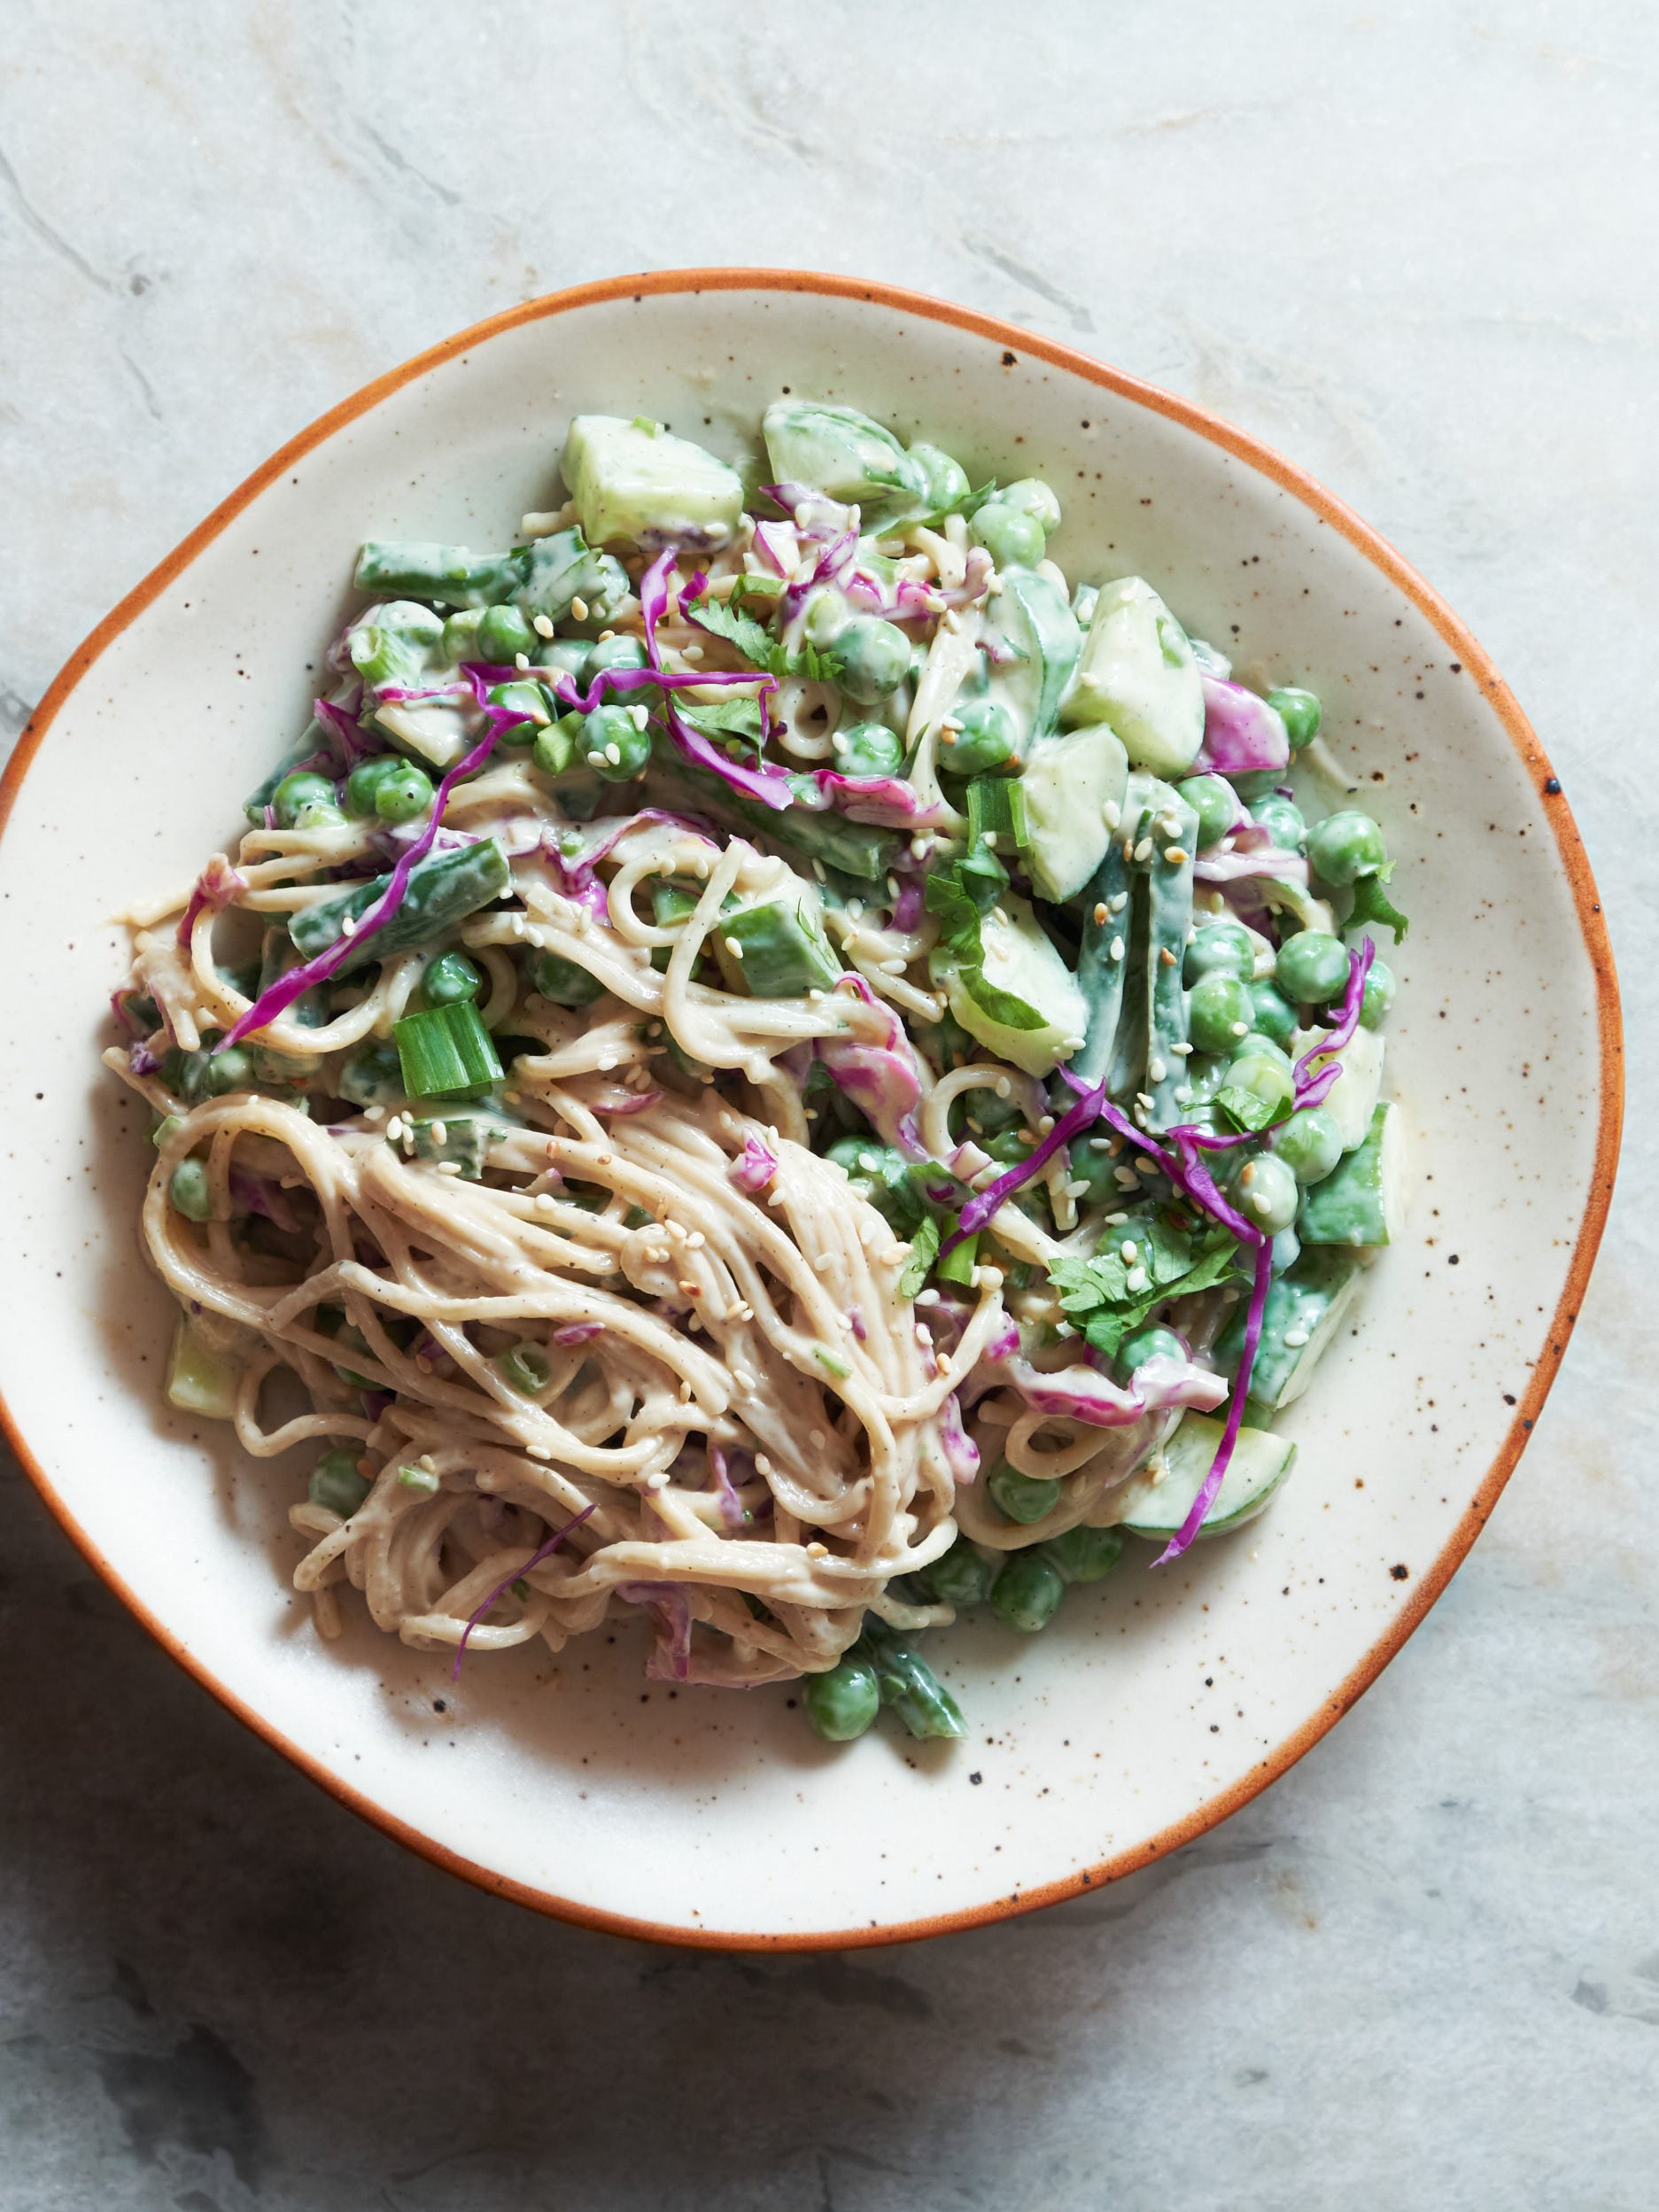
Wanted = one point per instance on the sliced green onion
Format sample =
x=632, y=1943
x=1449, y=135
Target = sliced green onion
x=445, y=1052
x=997, y=805
x=421, y=1479
x=957, y=1264
x=526, y=1368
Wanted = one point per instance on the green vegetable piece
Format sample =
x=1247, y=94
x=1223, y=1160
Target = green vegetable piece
x=1258, y=1090
x=446, y=1052
x=441, y=893
x=1309, y=1144
x=1103, y=964
x=1014, y=541
x=997, y=812
x=1022, y=1497
x=420, y=1479
x=924, y=1242
x=1156, y=1509
x=1312, y=967
x=337, y=1483
x=1281, y=818
x=1272, y=1015
x=464, y=1141
x=545, y=578
x=306, y=801
x=842, y=1703
x=1306, y=1305
x=1221, y=948
x=1373, y=908
x=782, y=950
x=564, y=983
x=988, y=740
x=614, y=745
x=1137, y=672
x=1154, y=1343
x=451, y=576
x=1174, y=833
x=908, y=1684
x=1378, y=995
x=1006, y=983
x=1359, y=1202
x=503, y=634
x=528, y=698
x=1028, y=1592
x=372, y=1075
x=1268, y=1193
x=843, y=454
x=612, y=654
x=162, y=1127
x=868, y=748
x=1033, y=639
x=946, y=480
x=202, y=1373
x=1220, y=1012
x=957, y=1264
x=1344, y=846
x=1084, y=1555
x=874, y=658
x=1074, y=785
x=525, y=1368
x=189, y=1191
x=1211, y=800
x=451, y=976
x=635, y=484
x=960, y=1577
x=1031, y=496
x=391, y=788
x=556, y=746
x=1299, y=712
x=227, y=1071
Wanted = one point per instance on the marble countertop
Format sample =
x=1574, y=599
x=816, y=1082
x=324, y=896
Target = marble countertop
x=1410, y=247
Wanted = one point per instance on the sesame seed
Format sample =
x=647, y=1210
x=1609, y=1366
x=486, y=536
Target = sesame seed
x=692, y=1290
x=448, y=1168
x=1239, y=1028
x=440, y=1133
x=542, y=626
x=520, y=660
x=597, y=759
x=1137, y=1279
x=814, y=1550
x=1003, y=1087
x=1125, y=1178
x=1165, y=956
x=639, y=717
x=1155, y=1069
x=613, y=754
x=951, y=728
x=1118, y=901
x=1114, y=1220
x=1112, y=813
x=1115, y=950
x=1295, y=1338
x=734, y=948
x=1045, y=1125
x=1180, y=1051
x=762, y=1466
x=348, y=928
x=1143, y=850
x=817, y=870
x=1100, y=911
x=1175, y=855
x=1128, y=1249
x=578, y=607
x=1146, y=1167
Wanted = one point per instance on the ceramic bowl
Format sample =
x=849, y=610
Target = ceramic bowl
x=1157, y=1703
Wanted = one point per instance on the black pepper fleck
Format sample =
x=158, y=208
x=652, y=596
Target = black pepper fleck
x=1400, y=1572
x=976, y=1778
x=1009, y=360
x=1552, y=787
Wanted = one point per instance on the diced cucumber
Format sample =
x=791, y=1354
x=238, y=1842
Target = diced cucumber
x=463, y=1142
x=1352, y=1099
x=1032, y=642
x=1138, y=674
x=780, y=950
x=1156, y=1509
x=1019, y=957
x=1362, y=1200
x=842, y=453
x=1070, y=780
x=202, y=1371
x=634, y=483
x=1305, y=1310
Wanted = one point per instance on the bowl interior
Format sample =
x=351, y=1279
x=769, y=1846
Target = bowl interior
x=1157, y=1699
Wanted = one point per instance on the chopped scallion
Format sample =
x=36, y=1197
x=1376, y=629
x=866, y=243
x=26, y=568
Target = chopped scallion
x=445, y=1052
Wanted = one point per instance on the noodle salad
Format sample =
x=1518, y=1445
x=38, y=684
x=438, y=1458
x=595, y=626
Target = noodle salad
x=769, y=1061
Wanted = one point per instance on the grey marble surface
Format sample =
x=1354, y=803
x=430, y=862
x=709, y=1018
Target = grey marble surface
x=1414, y=248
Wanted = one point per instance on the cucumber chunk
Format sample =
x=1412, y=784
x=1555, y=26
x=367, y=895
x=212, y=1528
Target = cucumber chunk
x=1137, y=672
x=1020, y=957
x=1156, y=1510
x=1352, y=1099
x=1070, y=780
x=844, y=455
x=202, y=1373
x=635, y=484
x=1361, y=1202
x=1031, y=642
x=1305, y=1308
x=780, y=951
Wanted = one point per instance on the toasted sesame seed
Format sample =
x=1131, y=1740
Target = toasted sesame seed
x=1165, y=956
x=1100, y=911
x=578, y=607
x=1176, y=855
x=542, y=626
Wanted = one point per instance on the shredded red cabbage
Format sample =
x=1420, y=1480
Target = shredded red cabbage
x=355, y=744
x=671, y=1659
x=218, y=884
x=577, y=1332
x=753, y=1167
x=980, y=1208
x=720, y=1482
x=1243, y=734
x=770, y=786
x=884, y=801
x=881, y=1079
x=507, y=1580
x=257, y=1194
x=297, y=980
x=1223, y=1458
x=1311, y=1090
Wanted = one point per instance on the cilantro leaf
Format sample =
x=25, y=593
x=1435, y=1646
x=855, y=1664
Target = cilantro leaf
x=723, y=717
x=961, y=896
x=758, y=646
x=923, y=1251
x=965, y=503
x=1243, y=1110
x=1373, y=907
x=1096, y=1292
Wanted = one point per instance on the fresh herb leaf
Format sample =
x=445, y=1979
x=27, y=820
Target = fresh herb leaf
x=1373, y=907
x=1002, y=1006
x=1095, y=1292
x=923, y=1251
x=757, y=644
x=965, y=503
x=723, y=717
x=1243, y=1110
x=961, y=896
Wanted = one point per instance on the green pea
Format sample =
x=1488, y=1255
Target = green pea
x=615, y=746
x=1013, y=540
x=961, y=1578
x=227, y=1071
x=449, y=978
x=875, y=658
x=188, y=1191
x=1224, y=948
x=1028, y=1593
x=868, y=748
x=1023, y=1497
x=1218, y=1013
x=526, y=1368
x=337, y=1483
x=461, y=636
x=987, y=740
x=1152, y=1343
x=405, y=795
x=304, y=801
x=1270, y=1080
x=1273, y=1015
x=1031, y=496
x=1379, y=995
x=1299, y=712
x=1254, y=1044
x=1268, y=1193
x=563, y=982
x=946, y=479
x=503, y=634
x=1211, y=800
x=1312, y=967
x=1309, y=1144
x=1281, y=818
x=611, y=653
x=1344, y=846
x=842, y=1703
x=367, y=778
x=1084, y=1555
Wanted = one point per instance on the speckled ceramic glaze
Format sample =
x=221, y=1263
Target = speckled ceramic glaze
x=1157, y=1703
